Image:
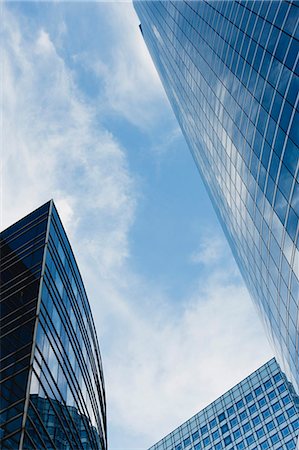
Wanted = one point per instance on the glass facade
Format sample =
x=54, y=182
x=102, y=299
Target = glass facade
x=261, y=412
x=52, y=387
x=230, y=70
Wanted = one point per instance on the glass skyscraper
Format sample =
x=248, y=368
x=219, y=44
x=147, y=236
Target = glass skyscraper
x=261, y=412
x=52, y=387
x=230, y=70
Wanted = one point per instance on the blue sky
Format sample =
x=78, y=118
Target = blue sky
x=86, y=122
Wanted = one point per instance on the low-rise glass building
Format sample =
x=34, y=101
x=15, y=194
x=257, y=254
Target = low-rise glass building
x=260, y=413
x=52, y=387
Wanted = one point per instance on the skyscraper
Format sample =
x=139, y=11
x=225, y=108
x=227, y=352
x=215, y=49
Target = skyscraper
x=261, y=412
x=52, y=387
x=230, y=70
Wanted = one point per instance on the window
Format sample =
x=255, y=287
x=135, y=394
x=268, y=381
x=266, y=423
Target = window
x=286, y=400
x=256, y=420
x=195, y=435
x=230, y=411
x=266, y=413
x=248, y=397
x=204, y=429
x=260, y=432
x=252, y=409
x=281, y=388
x=273, y=170
x=221, y=417
x=280, y=419
x=264, y=445
x=206, y=440
x=239, y=404
x=291, y=412
x=215, y=435
x=258, y=391
x=246, y=427
x=237, y=434
x=250, y=439
x=285, y=431
x=271, y=395
x=224, y=428
x=276, y=406
x=233, y=422
x=277, y=377
x=275, y=438
x=187, y=442
x=243, y=415
x=285, y=181
x=213, y=423
x=262, y=402
x=289, y=158
x=267, y=384
x=227, y=440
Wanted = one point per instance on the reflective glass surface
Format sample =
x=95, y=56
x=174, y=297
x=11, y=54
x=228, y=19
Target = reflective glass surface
x=261, y=412
x=230, y=70
x=60, y=402
x=22, y=249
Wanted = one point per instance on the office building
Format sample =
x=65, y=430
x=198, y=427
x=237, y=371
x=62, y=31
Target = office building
x=52, y=387
x=230, y=70
x=261, y=412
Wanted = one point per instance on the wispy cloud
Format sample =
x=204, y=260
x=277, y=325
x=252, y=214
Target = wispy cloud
x=132, y=88
x=54, y=147
x=173, y=366
x=212, y=249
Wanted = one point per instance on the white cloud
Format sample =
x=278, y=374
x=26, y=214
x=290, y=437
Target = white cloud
x=132, y=87
x=211, y=250
x=169, y=367
x=54, y=148
x=44, y=44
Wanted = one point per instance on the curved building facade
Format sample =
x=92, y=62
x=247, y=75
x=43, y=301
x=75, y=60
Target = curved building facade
x=230, y=70
x=51, y=381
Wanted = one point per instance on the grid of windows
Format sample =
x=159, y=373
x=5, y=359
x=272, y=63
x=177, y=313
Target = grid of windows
x=261, y=412
x=60, y=403
x=230, y=70
x=22, y=247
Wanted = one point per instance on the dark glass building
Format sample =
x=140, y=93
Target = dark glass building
x=52, y=387
x=260, y=413
x=230, y=70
